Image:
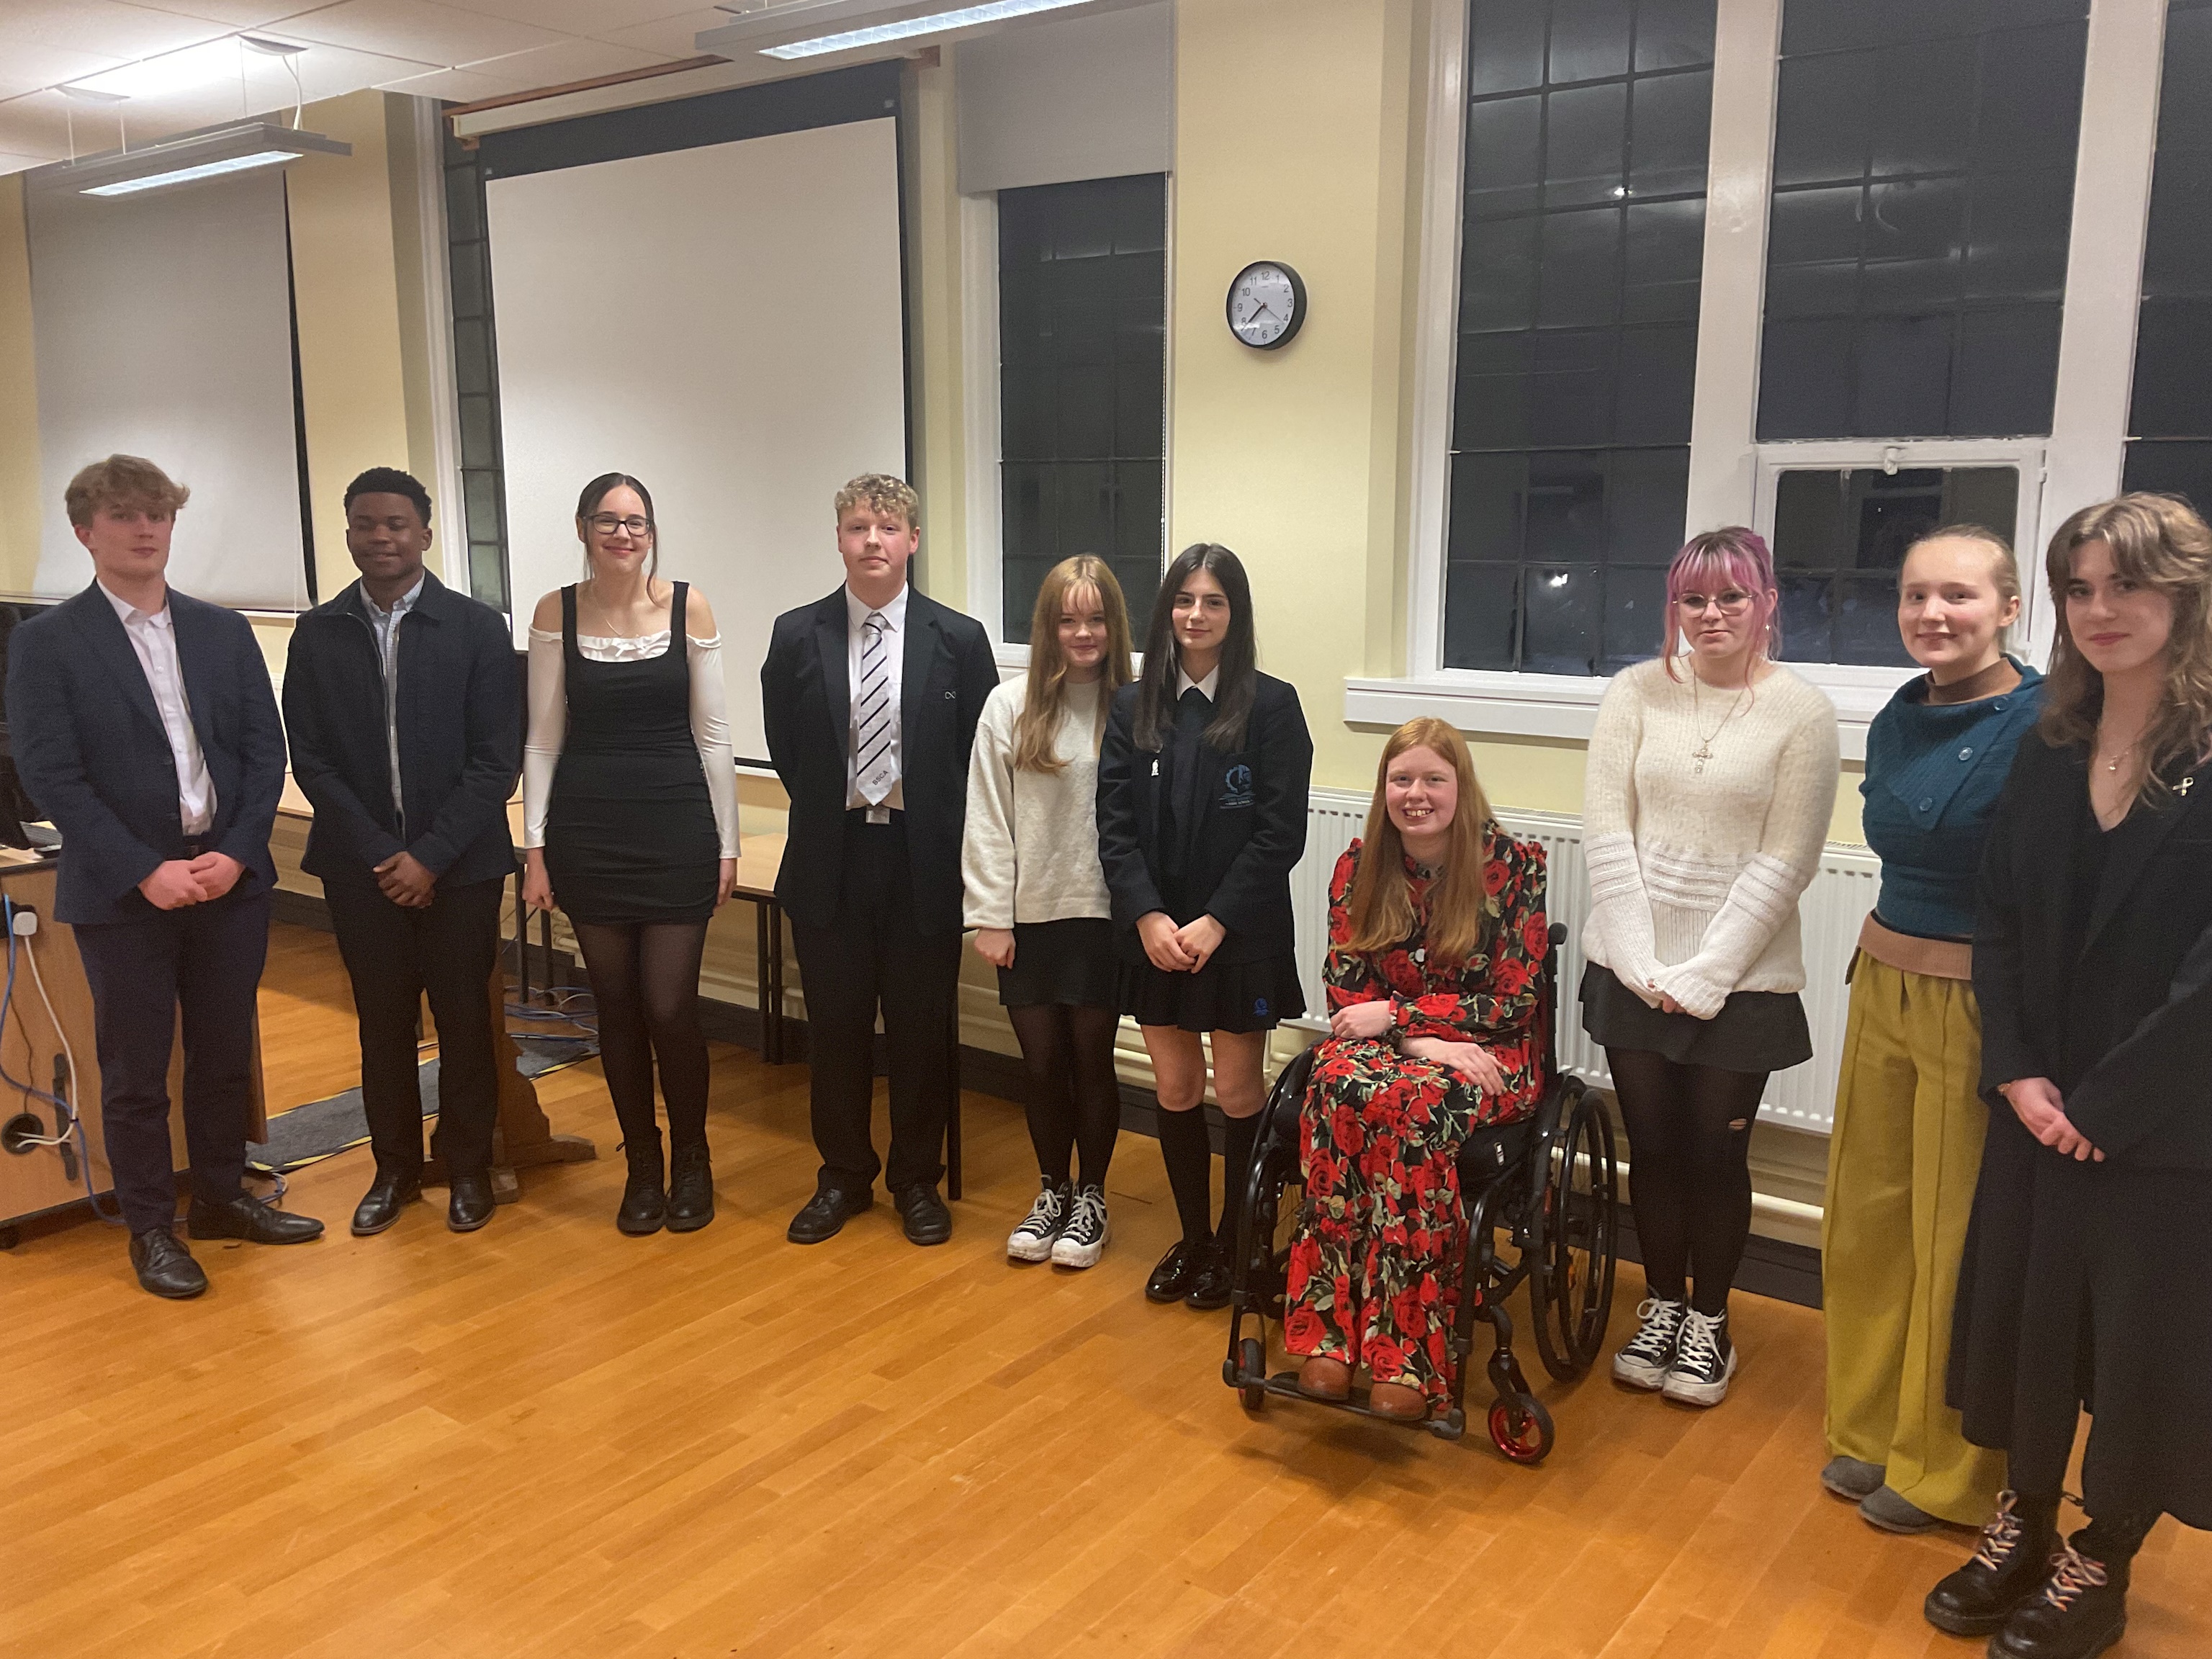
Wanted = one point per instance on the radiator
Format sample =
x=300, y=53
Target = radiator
x=1834, y=907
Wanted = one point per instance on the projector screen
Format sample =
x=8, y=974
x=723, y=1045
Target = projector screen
x=724, y=323
x=162, y=327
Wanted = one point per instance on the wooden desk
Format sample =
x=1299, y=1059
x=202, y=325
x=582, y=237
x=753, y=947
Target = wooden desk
x=40, y=1178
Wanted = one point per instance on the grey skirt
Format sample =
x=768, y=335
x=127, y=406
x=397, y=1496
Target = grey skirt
x=1754, y=1030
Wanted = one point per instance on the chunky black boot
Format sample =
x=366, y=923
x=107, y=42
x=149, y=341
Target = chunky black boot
x=690, y=1189
x=2083, y=1610
x=644, y=1204
x=2012, y=1564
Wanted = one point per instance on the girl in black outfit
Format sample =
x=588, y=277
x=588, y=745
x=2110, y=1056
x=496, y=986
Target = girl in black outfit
x=2083, y=1279
x=632, y=829
x=1202, y=815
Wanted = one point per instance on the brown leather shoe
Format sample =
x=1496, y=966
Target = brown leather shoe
x=1396, y=1400
x=1324, y=1377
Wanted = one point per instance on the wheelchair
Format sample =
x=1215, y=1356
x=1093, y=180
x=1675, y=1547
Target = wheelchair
x=1549, y=1184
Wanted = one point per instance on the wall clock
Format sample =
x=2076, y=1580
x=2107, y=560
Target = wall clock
x=1266, y=305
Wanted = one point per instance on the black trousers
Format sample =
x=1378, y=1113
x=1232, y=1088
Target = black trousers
x=395, y=956
x=204, y=959
x=873, y=955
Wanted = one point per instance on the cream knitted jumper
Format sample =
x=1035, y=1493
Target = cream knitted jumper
x=1031, y=849
x=1695, y=875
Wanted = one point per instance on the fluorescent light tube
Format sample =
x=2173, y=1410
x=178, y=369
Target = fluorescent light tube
x=202, y=65
x=876, y=34
x=186, y=175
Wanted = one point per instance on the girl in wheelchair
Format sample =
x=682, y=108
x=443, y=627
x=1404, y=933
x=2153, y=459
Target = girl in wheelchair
x=1436, y=941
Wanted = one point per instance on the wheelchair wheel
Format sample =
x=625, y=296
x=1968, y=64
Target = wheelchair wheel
x=1252, y=1358
x=1575, y=1235
x=1521, y=1428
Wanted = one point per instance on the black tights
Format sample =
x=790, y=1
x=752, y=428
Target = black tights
x=644, y=981
x=1689, y=1144
x=1074, y=1100
x=2110, y=1540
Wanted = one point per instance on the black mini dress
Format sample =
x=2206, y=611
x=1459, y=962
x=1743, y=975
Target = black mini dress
x=629, y=828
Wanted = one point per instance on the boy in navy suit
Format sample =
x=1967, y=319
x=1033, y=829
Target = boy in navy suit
x=143, y=726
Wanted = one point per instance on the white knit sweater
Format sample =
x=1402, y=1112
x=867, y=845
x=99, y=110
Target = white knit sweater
x=1030, y=850
x=1695, y=875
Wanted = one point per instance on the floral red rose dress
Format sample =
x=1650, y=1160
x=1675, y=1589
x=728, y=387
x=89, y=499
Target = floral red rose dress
x=1375, y=1261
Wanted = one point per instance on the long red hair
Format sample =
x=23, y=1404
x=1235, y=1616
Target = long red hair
x=1381, y=901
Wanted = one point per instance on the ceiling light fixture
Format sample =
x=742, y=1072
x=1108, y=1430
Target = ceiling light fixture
x=172, y=72
x=190, y=157
x=792, y=18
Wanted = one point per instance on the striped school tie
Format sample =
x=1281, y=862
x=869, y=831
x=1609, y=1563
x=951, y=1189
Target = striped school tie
x=875, y=772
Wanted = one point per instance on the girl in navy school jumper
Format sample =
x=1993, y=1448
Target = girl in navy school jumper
x=1907, y=1139
x=1202, y=815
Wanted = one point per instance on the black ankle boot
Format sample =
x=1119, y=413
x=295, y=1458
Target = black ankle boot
x=2083, y=1610
x=690, y=1189
x=644, y=1204
x=2012, y=1564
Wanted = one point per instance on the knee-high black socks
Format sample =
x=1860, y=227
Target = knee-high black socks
x=1185, y=1149
x=1075, y=1100
x=644, y=981
x=1689, y=1139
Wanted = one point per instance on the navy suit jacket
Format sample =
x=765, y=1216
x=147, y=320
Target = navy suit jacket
x=89, y=748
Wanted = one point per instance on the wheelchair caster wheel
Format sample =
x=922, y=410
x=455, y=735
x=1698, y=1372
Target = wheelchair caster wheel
x=1521, y=1429
x=1252, y=1358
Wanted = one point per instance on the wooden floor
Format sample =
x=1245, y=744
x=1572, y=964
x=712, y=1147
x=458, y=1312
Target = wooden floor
x=550, y=1440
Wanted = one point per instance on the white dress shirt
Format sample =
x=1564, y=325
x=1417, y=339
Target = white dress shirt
x=387, y=626
x=1184, y=683
x=153, y=637
x=893, y=615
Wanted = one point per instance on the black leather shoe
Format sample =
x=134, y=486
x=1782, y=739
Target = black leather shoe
x=247, y=1218
x=690, y=1190
x=165, y=1266
x=468, y=1202
x=379, y=1206
x=1212, y=1285
x=927, y=1220
x=827, y=1212
x=1171, y=1279
x=644, y=1204
x=2012, y=1564
x=2083, y=1610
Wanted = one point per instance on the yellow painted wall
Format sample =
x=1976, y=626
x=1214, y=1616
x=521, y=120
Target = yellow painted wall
x=19, y=400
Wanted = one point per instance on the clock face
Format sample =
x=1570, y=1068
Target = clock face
x=1266, y=304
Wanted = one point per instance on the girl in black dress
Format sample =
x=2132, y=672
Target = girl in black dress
x=1202, y=815
x=631, y=802
x=2083, y=1279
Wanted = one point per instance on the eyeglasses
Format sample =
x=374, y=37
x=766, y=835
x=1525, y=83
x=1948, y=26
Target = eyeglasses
x=607, y=524
x=1734, y=603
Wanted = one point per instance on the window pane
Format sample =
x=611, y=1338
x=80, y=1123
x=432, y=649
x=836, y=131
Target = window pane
x=1590, y=39
x=1564, y=609
x=479, y=433
x=1918, y=120
x=1584, y=144
x=1819, y=119
x=472, y=354
x=1635, y=616
x=1670, y=121
x=1671, y=33
x=472, y=286
x=2175, y=469
x=487, y=573
x=1085, y=399
x=1647, y=495
x=464, y=205
x=1490, y=409
x=2173, y=348
x=2016, y=245
x=1665, y=252
x=1505, y=156
x=480, y=509
x=1138, y=531
x=2008, y=370
x=2031, y=97
x=1904, y=365
x=1486, y=493
x=1570, y=388
x=1505, y=46
x=1027, y=429
x=1029, y=514
x=1581, y=281
x=1658, y=369
x=1497, y=274
x=2172, y=395
x=1806, y=633
x=1805, y=380
x=1866, y=623
x=1566, y=507
x=1482, y=615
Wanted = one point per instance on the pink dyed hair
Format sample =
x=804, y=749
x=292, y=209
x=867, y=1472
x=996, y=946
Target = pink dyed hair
x=1739, y=556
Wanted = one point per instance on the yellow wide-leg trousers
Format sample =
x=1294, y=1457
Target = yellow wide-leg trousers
x=1902, y=1162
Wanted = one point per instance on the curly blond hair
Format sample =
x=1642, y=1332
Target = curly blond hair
x=125, y=481
x=883, y=493
x=2159, y=542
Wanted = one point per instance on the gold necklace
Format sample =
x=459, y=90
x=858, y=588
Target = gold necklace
x=1704, y=751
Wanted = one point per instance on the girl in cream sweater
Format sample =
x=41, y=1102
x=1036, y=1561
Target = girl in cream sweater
x=1037, y=899
x=1712, y=776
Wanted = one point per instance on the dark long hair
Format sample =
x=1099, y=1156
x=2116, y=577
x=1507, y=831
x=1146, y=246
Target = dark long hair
x=597, y=491
x=1240, y=674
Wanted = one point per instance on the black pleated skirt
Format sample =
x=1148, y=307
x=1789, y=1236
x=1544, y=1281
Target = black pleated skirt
x=1071, y=962
x=1754, y=1030
x=1223, y=996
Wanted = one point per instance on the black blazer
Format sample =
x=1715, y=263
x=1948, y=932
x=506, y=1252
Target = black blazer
x=460, y=736
x=947, y=670
x=90, y=749
x=1251, y=833
x=2148, y=1100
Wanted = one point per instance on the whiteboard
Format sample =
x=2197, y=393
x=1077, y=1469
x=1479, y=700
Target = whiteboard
x=725, y=324
x=162, y=327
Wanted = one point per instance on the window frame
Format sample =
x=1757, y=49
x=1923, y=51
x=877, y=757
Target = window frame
x=1730, y=471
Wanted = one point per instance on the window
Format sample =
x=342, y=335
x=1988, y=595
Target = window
x=1577, y=318
x=1082, y=383
x=476, y=374
x=1924, y=186
x=2169, y=417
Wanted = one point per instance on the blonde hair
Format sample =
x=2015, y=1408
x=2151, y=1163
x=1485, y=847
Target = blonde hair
x=2159, y=542
x=885, y=493
x=123, y=481
x=1381, y=902
x=1046, y=698
x=2004, y=567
